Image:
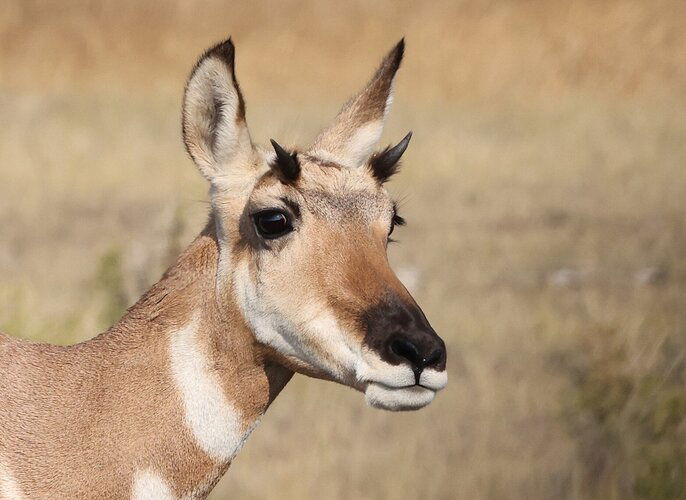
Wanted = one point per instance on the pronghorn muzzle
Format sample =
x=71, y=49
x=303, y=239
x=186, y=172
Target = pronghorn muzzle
x=400, y=334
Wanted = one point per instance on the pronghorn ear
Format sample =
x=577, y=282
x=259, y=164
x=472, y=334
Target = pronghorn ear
x=357, y=129
x=214, y=128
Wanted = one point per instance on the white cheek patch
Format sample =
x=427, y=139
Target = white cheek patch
x=265, y=326
x=311, y=337
x=214, y=422
x=9, y=488
x=408, y=398
x=433, y=379
x=147, y=485
x=341, y=352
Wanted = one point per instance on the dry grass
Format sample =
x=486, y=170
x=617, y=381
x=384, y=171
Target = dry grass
x=545, y=190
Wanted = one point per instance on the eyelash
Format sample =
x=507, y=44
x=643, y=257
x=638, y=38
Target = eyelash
x=396, y=221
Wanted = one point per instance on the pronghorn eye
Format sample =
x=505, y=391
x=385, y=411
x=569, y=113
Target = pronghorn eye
x=272, y=224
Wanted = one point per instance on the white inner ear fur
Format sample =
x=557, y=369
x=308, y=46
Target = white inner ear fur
x=354, y=151
x=363, y=142
x=215, y=142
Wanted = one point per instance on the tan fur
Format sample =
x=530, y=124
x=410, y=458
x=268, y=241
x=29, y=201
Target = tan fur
x=78, y=421
x=161, y=402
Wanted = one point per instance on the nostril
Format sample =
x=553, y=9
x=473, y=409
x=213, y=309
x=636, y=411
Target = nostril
x=406, y=349
x=433, y=358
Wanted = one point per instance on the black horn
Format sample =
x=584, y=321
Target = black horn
x=385, y=163
x=287, y=165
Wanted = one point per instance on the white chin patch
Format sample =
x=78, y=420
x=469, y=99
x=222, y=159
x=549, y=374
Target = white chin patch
x=398, y=399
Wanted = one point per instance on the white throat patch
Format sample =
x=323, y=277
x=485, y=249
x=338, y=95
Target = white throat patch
x=150, y=486
x=9, y=488
x=214, y=422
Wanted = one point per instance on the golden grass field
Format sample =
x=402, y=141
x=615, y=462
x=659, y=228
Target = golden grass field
x=545, y=190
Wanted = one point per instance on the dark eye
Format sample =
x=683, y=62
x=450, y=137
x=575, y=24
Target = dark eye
x=272, y=224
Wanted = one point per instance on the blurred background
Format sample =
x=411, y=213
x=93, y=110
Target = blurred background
x=545, y=190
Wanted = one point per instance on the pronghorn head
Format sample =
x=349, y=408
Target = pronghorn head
x=303, y=237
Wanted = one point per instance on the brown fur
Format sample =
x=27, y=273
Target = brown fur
x=78, y=421
x=85, y=420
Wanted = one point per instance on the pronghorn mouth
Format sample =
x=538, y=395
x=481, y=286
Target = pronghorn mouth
x=412, y=397
x=395, y=387
x=402, y=376
x=398, y=388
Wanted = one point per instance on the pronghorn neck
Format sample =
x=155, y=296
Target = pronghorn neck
x=218, y=372
x=156, y=407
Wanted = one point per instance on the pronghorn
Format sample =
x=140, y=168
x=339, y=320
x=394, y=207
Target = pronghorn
x=289, y=275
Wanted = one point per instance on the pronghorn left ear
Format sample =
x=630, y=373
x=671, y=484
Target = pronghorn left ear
x=214, y=128
x=357, y=128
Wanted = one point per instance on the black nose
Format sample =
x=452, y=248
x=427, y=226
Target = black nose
x=420, y=354
x=405, y=348
x=400, y=334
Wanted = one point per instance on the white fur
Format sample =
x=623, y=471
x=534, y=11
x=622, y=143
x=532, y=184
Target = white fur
x=361, y=145
x=341, y=351
x=9, y=488
x=371, y=368
x=272, y=329
x=311, y=338
x=391, y=387
x=354, y=150
x=393, y=399
x=212, y=84
x=433, y=379
x=147, y=485
x=213, y=421
x=266, y=327
x=327, y=156
x=389, y=101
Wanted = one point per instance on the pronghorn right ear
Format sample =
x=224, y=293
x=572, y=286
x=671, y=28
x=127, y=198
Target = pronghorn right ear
x=214, y=128
x=357, y=128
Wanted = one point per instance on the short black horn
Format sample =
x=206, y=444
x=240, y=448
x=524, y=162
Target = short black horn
x=385, y=163
x=287, y=164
